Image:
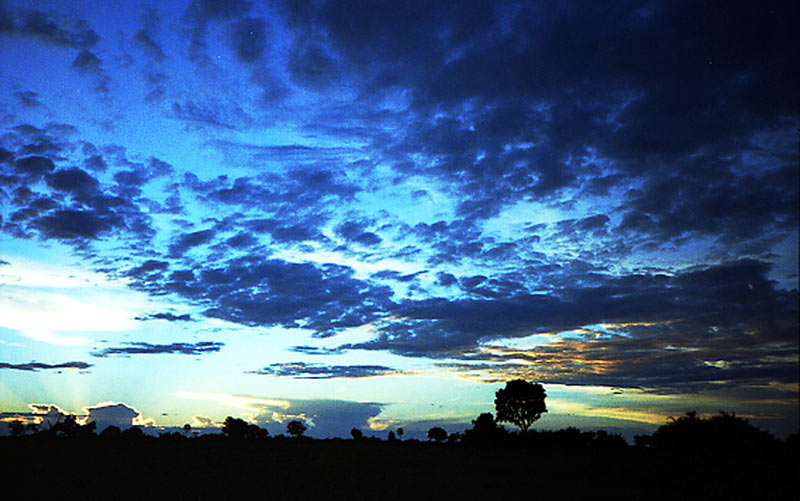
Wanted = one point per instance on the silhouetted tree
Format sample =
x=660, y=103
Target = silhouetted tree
x=234, y=427
x=356, y=434
x=520, y=403
x=437, y=434
x=296, y=428
x=391, y=437
x=400, y=432
x=187, y=429
x=723, y=431
x=240, y=429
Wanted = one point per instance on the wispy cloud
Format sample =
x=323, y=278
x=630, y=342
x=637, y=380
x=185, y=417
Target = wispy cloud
x=36, y=366
x=302, y=370
x=142, y=348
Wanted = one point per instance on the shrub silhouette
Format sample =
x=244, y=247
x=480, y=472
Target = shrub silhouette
x=437, y=434
x=520, y=403
x=111, y=433
x=296, y=428
x=356, y=434
x=17, y=428
x=721, y=432
x=240, y=429
x=484, y=430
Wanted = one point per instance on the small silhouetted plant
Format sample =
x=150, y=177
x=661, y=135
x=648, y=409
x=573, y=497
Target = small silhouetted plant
x=17, y=428
x=187, y=429
x=400, y=432
x=296, y=428
x=391, y=437
x=520, y=403
x=437, y=434
x=356, y=434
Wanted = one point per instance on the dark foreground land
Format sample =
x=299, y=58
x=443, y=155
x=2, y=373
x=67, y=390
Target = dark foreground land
x=289, y=469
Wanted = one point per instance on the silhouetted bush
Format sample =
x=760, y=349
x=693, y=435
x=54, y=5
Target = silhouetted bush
x=111, y=433
x=240, y=429
x=721, y=432
x=296, y=428
x=356, y=434
x=484, y=431
x=437, y=434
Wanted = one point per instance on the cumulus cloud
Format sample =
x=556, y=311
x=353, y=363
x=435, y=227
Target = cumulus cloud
x=114, y=414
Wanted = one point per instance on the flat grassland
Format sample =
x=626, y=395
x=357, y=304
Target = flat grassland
x=289, y=469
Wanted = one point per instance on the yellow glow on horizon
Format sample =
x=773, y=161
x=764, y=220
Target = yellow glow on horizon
x=237, y=401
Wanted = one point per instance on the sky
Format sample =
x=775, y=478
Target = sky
x=373, y=214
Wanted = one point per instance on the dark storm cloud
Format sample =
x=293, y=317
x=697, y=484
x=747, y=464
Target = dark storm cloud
x=35, y=166
x=311, y=66
x=73, y=180
x=33, y=23
x=28, y=98
x=248, y=38
x=142, y=348
x=88, y=63
x=145, y=37
x=189, y=240
x=35, y=366
x=355, y=231
x=144, y=40
x=735, y=298
x=302, y=370
x=199, y=14
x=257, y=291
x=70, y=224
x=512, y=96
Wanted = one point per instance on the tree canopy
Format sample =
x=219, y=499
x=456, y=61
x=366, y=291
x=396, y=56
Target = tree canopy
x=520, y=403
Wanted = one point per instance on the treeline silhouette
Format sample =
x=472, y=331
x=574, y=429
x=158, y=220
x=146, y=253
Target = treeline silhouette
x=691, y=433
x=689, y=457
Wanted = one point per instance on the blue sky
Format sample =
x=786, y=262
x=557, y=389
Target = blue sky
x=373, y=214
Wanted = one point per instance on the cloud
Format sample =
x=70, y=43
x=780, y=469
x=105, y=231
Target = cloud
x=142, y=348
x=170, y=317
x=36, y=366
x=717, y=323
x=114, y=414
x=248, y=38
x=28, y=98
x=88, y=63
x=34, y=23
x=302, y=370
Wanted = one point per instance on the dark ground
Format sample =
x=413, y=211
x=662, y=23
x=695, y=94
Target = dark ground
x=276, y=469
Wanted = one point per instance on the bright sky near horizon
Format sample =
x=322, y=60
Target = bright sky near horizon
x=373, y=213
